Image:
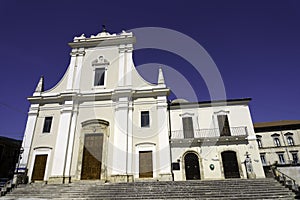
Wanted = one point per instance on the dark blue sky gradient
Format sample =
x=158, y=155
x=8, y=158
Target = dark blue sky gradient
x=255, y=45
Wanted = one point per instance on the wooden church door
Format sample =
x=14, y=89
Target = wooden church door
x=92, y=157
x=39, y=168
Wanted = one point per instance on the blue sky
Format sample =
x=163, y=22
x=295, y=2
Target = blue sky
x=255, y=45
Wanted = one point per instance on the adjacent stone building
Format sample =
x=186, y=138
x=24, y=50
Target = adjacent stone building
x=103, y=121
x=279, y=143
x=219, y=134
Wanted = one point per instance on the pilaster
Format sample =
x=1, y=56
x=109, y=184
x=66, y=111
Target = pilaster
x=130, y=138
x=73, y=55
x=129, y=64
x=78, y=66
x=71, y=144
x=164, y=145
x=121, y=165
x=28, y=136
x=75, y=68
x=121, y=80
x=60, y=150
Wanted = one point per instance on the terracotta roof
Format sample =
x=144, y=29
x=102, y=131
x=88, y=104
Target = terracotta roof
x=276, y=123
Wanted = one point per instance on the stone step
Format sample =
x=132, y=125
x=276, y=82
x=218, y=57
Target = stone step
x=220, y=189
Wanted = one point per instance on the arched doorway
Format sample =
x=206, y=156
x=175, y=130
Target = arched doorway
x=192, y=169
x=230, y=164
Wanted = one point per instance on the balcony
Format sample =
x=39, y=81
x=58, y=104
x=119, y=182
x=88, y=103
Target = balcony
x=211, y=133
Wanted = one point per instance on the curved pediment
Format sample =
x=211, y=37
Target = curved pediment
x=288, y=134
x=42, y=148
x=222, y=112
x=275, y=135
x=186, y=114
x=94, y=122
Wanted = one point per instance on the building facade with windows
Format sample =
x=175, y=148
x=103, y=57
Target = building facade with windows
x=219, y=134
x=103, y=121
x=279, y=142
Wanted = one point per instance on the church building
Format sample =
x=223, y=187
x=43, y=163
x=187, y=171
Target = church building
x=103, y=121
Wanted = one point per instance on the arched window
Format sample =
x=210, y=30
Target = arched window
x=290, y=141
x=277, y=142
x=259, y=143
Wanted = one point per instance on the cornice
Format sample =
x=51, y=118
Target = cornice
x=97, y=95
x=217, y=103
x=100, y=42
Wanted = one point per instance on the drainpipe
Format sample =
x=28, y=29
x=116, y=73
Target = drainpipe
x=170, y=129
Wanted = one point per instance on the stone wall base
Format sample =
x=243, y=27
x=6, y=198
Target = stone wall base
x=251, y=175
x=58, y=180
x=121, y=178
x=165, y=177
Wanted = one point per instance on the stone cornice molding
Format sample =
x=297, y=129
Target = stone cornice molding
x=67, y=109
x=218, y=103
x=33, y=112
x=97, y=95
x=34, y=109
x=103, y=41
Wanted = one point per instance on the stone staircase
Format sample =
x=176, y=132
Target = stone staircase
x=210, y=190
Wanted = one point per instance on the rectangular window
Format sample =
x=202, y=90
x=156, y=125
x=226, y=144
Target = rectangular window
x=281, y=158
x=99, y=76
x=295, y=158
x=263, y=159
x=145, y=119
x=259, y=143
x=188, y=129
x=47, y=124
x=224, y=127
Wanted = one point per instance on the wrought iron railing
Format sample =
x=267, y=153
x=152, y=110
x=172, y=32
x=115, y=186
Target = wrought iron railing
x=286, y=180
x=210, y=133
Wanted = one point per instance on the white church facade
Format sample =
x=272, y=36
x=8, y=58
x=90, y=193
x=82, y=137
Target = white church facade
x=103, y=121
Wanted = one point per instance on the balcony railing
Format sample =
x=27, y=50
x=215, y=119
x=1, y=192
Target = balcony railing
x=210, y=133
